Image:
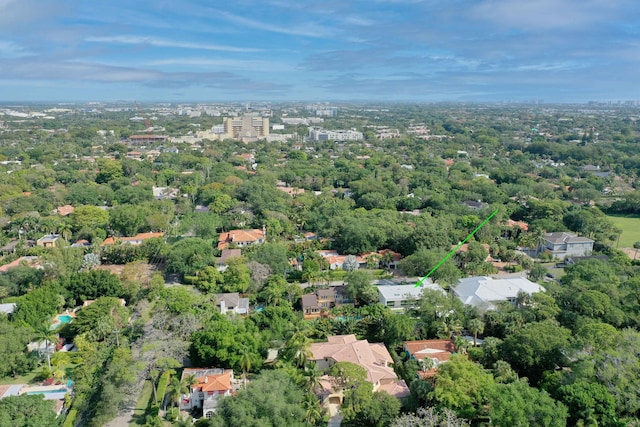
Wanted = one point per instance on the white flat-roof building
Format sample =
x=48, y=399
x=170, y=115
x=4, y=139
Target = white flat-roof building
x=400, y=297
x=317, y=134
x=482, y=292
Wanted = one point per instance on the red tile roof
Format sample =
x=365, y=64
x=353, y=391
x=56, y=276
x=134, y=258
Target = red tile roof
x=240, y=237
x=132, y=240
x=435, y=349
x=65, y=210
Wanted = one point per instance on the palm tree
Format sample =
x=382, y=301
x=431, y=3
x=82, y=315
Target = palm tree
x=387, y=259
x=176, y=389
x=312, y=378
x=426, y=364
x=475, y=327
x=297, y=348
x=449, y=327
x=461, y=344
x=533, y=239
x=48, y=335
x=64, y=229
x=523, y=299
x=312, y=409
x=248, y=359
x=373, y=261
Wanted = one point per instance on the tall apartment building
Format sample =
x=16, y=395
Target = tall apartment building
x=246, y=128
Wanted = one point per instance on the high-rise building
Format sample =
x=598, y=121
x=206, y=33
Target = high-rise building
x=246, y=128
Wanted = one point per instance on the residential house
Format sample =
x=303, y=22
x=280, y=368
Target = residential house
x=242, y=238
x=10, y=247
x=135, y=240
x=373, y=357
x=562, y=244
x=483, y=292
x=322, y=300
x=336, y=260
x=513, y=229
x=165, y=193
x=65, y=210
x=429, y=354
x=231, y=302
x=8, y=308
x=291, y=191
x=210, y=385
x=49, y=241
x=401, y=297
x=227, y=254
x=474, y=205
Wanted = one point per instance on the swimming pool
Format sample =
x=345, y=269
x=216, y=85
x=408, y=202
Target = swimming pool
x=64, y=318
x=60, y=320
x=45, y=392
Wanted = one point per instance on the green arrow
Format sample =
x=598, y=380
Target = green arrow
x=454, y=250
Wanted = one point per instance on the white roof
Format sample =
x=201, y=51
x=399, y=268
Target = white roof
x=402, y=292
x=8, y=308
x=481, y=291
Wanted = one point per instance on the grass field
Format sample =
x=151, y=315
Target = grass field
x=140, y=413
x=630, y=226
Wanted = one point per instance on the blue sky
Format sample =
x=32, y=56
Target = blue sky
x=331, y=50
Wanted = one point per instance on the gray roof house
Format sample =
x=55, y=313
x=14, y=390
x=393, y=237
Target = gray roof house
x=483, y=292
x=563, y=244
x=231, y=302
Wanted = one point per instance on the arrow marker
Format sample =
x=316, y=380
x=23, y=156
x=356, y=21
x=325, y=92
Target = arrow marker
x=454, y=250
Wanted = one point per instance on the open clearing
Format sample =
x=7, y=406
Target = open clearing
x=630, y=226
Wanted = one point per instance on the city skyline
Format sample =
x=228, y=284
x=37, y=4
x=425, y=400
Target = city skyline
x=377, y=50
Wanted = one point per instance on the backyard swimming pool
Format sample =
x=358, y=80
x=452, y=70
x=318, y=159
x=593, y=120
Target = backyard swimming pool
x=45, y=392
x=64, y=318
x=60, y=320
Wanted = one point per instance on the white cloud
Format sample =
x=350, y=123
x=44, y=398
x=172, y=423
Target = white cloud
x=307, y=29
x=158, y=42
x=235, y=64
x=545, y=14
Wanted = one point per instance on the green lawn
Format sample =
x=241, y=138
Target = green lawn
x=630, y=226
x=28, y=378
x=140, y=413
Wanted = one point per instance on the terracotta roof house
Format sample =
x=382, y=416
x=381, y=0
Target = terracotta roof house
x=291, y=191
x=373, y=357
x=211, y=384
x=242, y=238
x=135, y=240
x=65, y=210
x=520, y=224
x=336, y=260
x=563, y=244
x=438, y=351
